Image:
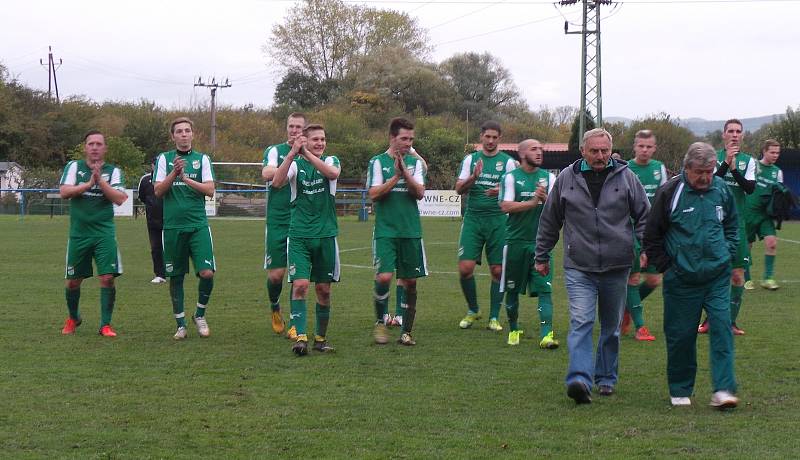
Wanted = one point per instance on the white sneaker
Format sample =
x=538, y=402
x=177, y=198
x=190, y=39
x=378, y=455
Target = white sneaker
x=724, y=400
x=158, y=280
x=202, y=326
x=680, y=401
x=181, y=333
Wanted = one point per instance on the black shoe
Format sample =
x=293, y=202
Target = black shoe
x=300, y=347
x=579, y=392
x=322, y=346
x=605, y=390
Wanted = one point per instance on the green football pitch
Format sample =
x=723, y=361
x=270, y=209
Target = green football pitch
x=457, y=394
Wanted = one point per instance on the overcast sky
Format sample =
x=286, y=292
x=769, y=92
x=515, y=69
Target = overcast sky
x=713, y=59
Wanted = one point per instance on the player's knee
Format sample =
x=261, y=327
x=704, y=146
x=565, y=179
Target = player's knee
x=383, y=278
x=323, y=291
x=207, y=274
x=276, y=275
x=73, y=284
x=634, y=279
x=466, y=268
x=770, y=243
x=497, y=272
x=299, y=289
x=106, y=281
x=410, y=286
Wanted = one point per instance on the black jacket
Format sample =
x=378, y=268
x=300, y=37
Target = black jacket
x=154, y=206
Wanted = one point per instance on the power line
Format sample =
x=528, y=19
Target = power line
x=504, y=29
x=51, y=73
x=213, y=86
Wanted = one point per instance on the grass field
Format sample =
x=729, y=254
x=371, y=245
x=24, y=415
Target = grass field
x=457, y=394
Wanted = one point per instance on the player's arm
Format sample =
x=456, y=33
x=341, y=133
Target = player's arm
x=281, y=177
x=68, y=187
x=112, y=192
x=466, y=179
x=415, y=181
x=206, y=184
x=508, y=196
x=329, y=170
x=378, y=189
x=270, y=164
x=163, y=181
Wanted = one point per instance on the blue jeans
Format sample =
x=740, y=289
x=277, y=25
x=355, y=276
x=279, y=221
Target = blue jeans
x=589, y=292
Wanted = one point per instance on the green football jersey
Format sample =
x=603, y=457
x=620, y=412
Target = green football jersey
x=652, y=176
x=746, y=165
x=184, y=207
x=397, y=214
x=766, y=177
x=278, y=212
x=520, y=186
x=313, y=200
x=478, y=203
x=91, y=214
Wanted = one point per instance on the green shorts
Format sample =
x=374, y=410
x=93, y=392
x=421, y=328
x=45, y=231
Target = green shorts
x=275, y=246
x=315, y=259
x=759, y=225
x=636, y=267
x=81, y=251
x=742, y=259
x=181, y=243
x=480, y=231
x=519, y=274
x=406, y=255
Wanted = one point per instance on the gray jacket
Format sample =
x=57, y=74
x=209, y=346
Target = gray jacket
x=595, y=239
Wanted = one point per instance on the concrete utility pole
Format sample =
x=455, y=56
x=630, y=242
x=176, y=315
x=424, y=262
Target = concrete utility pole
x=214, y=86
x=51, y=73
x=591, y=95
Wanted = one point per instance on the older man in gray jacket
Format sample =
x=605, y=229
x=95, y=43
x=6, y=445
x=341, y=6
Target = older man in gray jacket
x=602, y=207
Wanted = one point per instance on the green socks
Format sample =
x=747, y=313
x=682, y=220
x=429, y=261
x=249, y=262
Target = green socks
x=323, y=314
x=470, y=293
x=495, y=299
x=73, y=297
x=736, y=301
x=769, y=267
x=400, y=299
x=409, y=310
x=299, y=315
x=381, y=300
x=204, y=288
x=645, y=290
x=107, y=297
x=274, y=293
x=176, y=294
x=545, y=314
x=512, y=311
x=634, y=305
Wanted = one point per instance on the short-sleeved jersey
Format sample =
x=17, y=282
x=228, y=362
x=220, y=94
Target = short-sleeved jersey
x=397, y=214
x=766, y=177
x=478, y=203
x=520, y=186
x=746, y=165
x=278, y=211
x=313, y=200
x=184, y=207
x=652, y=176
x=91, y=214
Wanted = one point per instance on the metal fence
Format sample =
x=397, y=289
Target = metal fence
x=229, y=203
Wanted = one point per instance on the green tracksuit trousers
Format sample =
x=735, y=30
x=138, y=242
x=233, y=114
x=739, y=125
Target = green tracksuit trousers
x=683, y=305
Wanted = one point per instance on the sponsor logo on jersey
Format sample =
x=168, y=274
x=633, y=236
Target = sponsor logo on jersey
x=521, y=183
x=498, y=166
x=196, y=164
x=387, y=170
x=81, y=173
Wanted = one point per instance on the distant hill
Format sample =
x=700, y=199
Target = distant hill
x=701, y=126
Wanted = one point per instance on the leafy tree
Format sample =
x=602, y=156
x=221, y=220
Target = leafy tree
x=786, y=128
x=481, y=82
x=305, y=91
x=342, y=33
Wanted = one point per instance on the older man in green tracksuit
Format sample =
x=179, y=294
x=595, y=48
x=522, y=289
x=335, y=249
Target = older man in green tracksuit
x=692, y=236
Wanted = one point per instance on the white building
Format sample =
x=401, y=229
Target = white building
x=10, y=176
